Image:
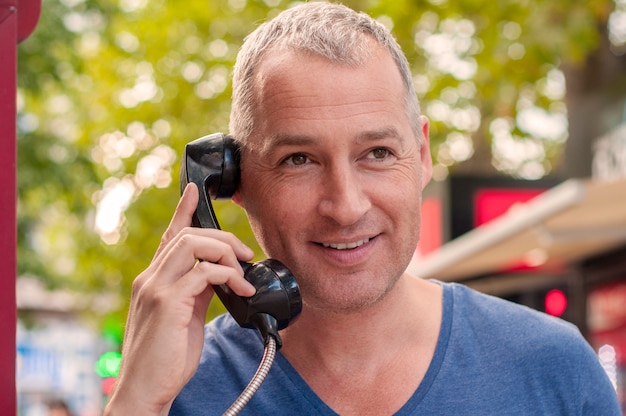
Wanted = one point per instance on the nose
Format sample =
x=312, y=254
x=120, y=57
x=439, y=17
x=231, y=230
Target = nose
x=343, y=198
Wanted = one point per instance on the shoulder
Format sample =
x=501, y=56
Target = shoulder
x=494, y=311
x=224, y=338
x=229, y=360
x=538, y=364
x=501, y=324
x=229, y=356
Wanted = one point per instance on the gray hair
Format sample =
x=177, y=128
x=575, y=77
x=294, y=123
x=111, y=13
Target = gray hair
x=329, y=30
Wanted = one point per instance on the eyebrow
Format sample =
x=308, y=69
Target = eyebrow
x=280, y=140
x=383, y=133
x=289, y=140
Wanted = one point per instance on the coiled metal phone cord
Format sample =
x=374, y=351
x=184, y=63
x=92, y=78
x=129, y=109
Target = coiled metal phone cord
x=266, y=363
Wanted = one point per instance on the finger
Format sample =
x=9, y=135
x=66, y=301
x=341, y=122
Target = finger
x=182, y=215
x=183, y=252
x=180, y=254
x=242, y=251
x=205, y=274
x=200, y=242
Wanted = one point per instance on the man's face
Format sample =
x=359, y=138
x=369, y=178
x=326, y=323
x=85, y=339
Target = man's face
x=333, y=176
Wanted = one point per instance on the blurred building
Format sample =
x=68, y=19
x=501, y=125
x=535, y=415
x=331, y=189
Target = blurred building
x=57, y=351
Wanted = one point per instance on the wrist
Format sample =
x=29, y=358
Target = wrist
x=122, y=402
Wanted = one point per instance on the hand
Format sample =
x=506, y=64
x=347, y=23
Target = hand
x=165, y=329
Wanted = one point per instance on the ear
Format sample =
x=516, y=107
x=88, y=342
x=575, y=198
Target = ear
x=237, y=198
x=427, y=162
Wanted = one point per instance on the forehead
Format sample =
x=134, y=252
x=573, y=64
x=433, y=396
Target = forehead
x=295, y=89
x=285, y=62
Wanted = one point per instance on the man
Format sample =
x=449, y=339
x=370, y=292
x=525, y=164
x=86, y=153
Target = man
x=334, y=158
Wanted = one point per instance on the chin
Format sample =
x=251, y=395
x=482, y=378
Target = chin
x=346, y=297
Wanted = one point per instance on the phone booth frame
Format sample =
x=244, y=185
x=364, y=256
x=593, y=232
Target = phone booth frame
x=18, y=19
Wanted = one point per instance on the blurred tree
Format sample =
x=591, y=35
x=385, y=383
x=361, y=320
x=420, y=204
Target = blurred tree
x=110, y=91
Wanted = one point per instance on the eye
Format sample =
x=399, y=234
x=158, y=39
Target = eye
x=379, y=153
x=296, y=159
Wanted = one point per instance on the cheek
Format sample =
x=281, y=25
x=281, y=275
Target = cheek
x=403, y=202
x=261, y=195
x=270, y=207
x=404, y=186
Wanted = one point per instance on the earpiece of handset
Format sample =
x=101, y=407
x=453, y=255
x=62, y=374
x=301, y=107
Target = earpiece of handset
x=212, y=163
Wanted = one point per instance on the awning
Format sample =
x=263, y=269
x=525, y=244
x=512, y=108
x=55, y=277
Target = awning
x=572, y=221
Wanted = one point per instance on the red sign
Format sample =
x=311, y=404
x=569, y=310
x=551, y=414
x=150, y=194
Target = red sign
x=431, y=232
x=492, y=203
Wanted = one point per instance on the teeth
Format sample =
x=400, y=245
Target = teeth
x=346, y=246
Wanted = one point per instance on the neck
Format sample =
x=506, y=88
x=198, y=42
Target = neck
x=409, y=315
x=368, y=362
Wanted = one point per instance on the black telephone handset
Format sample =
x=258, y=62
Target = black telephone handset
x=212, y=163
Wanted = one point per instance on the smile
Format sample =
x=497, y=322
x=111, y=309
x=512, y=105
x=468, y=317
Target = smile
x=346, y=246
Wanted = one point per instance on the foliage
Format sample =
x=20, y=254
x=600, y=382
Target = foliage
x=109, y=93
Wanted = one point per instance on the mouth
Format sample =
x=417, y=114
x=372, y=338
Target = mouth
x=346, y=246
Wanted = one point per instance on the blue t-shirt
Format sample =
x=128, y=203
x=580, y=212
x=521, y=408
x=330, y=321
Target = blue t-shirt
x=493, y=357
